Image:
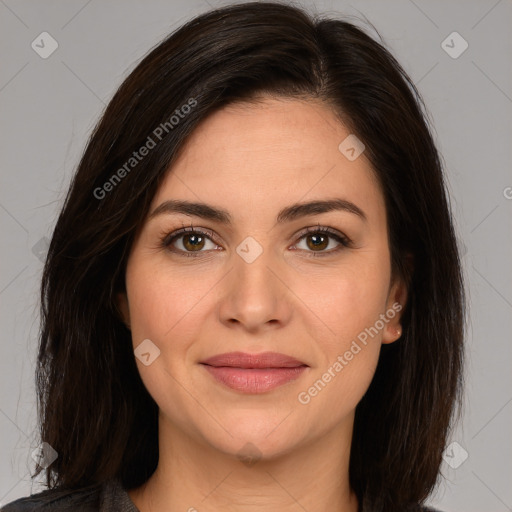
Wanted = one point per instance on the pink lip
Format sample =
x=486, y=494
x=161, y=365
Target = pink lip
x=254, y=373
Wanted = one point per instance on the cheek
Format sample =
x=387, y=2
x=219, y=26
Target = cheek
x=347, y=299
x=348, y=305
x=163, y=303
x=167, y=308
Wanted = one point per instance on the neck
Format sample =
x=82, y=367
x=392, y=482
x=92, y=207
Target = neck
x=192, y=475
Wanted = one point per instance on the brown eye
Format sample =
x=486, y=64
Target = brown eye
x=318, y=239
x=189, y=242
x=193, y=242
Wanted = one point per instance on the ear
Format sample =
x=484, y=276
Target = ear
x=123, y=308
x=397, y=299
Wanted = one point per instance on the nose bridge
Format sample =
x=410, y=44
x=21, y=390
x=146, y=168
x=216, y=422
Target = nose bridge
x=256, y=296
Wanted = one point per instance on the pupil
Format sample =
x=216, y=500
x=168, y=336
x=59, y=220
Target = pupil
x=317, y=240
x=193, y=240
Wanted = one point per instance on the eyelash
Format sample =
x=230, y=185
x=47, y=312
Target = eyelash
x=169, y=238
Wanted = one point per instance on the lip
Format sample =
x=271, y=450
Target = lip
x=262, y=360
x=254, y=373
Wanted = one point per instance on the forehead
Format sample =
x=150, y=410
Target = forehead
x=253, y=156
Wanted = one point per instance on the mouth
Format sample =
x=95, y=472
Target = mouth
x=254, y=373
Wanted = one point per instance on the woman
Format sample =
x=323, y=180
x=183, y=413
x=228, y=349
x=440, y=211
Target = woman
x=252, y=298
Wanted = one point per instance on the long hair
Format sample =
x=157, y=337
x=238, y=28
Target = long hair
x=94, y=409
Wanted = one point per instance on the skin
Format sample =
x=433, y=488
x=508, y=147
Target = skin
x=253, y=160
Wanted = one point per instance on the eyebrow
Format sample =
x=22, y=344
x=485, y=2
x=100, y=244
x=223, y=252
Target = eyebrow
x=288, y=214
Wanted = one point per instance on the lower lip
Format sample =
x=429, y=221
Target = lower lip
x=254, y=380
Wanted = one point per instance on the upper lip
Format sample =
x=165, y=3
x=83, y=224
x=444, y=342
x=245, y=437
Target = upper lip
x=262, y=360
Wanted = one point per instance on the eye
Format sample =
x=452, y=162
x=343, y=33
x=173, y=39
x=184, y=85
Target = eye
x=189, y=241
x=317, y=239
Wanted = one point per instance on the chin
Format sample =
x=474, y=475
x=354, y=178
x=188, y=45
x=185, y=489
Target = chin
x=254, y=435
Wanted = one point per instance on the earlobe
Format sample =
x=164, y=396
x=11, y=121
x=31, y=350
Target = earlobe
x=392, y=333
x=396, y=303
x=123, y=308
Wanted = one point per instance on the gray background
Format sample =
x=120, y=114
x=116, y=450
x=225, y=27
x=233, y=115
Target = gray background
x=49, y=106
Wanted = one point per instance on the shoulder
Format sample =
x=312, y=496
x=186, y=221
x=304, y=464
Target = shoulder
x=58, y=500
x=109, y=496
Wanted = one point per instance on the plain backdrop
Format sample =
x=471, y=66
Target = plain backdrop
x=50, y=105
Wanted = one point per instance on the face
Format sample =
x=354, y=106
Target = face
x=312, y=284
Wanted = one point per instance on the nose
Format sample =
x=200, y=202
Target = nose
x=255, y=296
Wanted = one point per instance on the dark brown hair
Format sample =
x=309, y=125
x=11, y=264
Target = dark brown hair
x=94, y=409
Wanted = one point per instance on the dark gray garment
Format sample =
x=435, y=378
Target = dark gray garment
x=110, y=497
